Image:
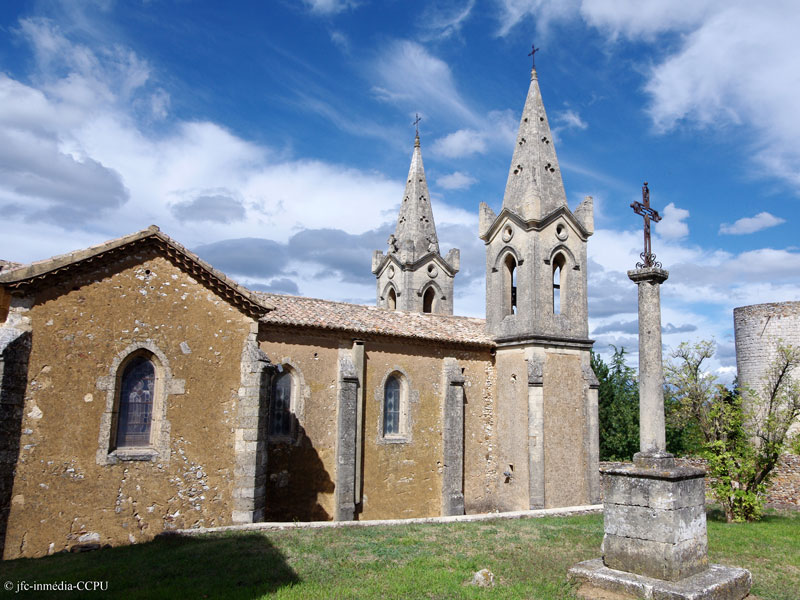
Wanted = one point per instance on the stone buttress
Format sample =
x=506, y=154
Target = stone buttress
x=413, y=275
x=537, y=313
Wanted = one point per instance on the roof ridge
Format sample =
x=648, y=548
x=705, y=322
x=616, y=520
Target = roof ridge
x=367, y=306
x=27, y=274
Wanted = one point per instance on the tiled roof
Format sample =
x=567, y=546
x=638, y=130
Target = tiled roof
x=26, y=275
x=324, y=314
x=7, y=265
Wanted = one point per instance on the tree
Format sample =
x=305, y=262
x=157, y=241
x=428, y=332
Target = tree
x=618, y=407
x=742, y=432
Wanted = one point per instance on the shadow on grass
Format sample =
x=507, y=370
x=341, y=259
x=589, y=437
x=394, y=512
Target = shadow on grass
x=229, y=565
x=715, y=513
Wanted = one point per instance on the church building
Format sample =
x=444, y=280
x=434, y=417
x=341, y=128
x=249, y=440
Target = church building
x=142, y=390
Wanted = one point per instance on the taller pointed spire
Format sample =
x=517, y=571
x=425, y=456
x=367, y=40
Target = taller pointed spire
x=534, y=188
x=415, y=234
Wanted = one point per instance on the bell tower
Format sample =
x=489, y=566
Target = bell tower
x=413, y=275
x=537, y=313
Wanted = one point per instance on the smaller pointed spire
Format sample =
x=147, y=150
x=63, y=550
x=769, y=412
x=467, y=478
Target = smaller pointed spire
x=415, y=234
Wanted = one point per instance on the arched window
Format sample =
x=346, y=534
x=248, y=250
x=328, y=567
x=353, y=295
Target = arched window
x=429, y=300
x=391, y=299
x=391, y=406
x=558, y=276
x=280, y=409
x=509, y=285
x=135, y=405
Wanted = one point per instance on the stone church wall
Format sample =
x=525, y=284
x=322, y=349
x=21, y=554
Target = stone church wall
x=401, y=475
x=300, y=470
x=82, y=325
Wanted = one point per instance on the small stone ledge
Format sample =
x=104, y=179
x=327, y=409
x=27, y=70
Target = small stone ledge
x=673, y=474
x=280, y=526
x=716, y=583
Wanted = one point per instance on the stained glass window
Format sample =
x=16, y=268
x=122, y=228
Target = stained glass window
x=280, y=422
x=391, y=407
x=136, y=403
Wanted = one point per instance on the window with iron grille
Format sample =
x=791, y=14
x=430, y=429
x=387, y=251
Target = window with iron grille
x=135, y=409
x=391, y=406
x=280, y=421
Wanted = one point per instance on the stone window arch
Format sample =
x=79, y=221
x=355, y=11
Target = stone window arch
x=389, y=296
x=395, y=397
x=509, y=271
x=392, y=391
x=134, y=425
x=429, y=300
x=133, y=411
x=287, y=391
x=559, y=263
x=280, y=409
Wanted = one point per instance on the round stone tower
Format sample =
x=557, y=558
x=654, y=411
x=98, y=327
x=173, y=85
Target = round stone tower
x=759, y=329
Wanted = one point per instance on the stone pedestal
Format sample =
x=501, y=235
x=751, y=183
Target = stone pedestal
x=655, y=521
x=655, y=543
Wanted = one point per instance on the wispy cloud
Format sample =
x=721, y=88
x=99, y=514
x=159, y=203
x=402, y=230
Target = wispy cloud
x=762, y=220
x=444, y=19
x=727, y=68
x=570, y=119
x=408, y=75
x=461, y=143
x=455, y=181
x=329, y=7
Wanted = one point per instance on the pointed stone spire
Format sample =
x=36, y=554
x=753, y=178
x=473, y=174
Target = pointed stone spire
x=413, y=275
x=534, y=188
x=415, y=234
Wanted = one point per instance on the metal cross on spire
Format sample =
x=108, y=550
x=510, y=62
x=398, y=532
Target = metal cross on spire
x=649, y=214
x=416, y=124
x=534, y=50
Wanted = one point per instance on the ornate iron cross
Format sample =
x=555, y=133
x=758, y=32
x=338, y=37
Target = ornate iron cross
x=416, y=123
x=649, y=214
x=534, y=50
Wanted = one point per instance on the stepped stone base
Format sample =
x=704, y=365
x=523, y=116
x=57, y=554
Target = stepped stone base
x=598, y=582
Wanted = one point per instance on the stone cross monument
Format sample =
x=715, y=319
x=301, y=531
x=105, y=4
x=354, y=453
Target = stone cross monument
x=655, y=543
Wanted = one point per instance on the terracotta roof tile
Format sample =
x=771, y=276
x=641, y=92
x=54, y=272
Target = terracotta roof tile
x=325, y=314
x=7, y=265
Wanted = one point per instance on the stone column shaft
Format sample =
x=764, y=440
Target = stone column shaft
x=453, y=440
x=347, y=417
x=652, y=435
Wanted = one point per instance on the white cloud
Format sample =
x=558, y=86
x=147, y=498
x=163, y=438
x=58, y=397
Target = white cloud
x=672, y=225
x=733, y=64
x=497, y=131
x=544, y=12
x=445, y=19
x=329, y=7
x=455, y=181
x=81, y=163
x=569, y=119
x=409, y=76
x=636, y=19
x=762, y=220
x=464, y=142
x=341, y=40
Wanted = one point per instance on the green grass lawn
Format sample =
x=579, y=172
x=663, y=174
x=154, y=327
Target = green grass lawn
x=529, y=558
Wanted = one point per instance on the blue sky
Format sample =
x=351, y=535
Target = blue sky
x=274, y=137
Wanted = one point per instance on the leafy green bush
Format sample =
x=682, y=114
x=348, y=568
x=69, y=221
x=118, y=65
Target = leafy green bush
x=741, y=433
